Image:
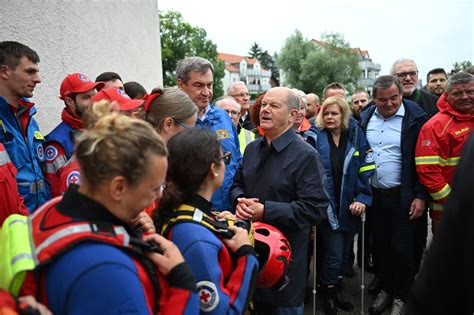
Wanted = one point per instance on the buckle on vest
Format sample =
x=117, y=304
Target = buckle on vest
x=102, y=228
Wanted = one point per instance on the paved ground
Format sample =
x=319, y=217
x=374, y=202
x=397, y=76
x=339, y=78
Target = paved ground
x=352, y=291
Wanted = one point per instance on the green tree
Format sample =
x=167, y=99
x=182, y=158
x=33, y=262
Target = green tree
x=310, y=65
x=179, y=40
x=255, y=51
x=460, y=66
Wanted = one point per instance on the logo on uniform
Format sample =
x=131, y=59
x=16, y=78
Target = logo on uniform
x=425, y=143
x=73, y=178
x=51, y=153
x=123, y=94
x=222, y=134
x=208, y=295
x=83, y=77
x=369, y=158
x=40, y=151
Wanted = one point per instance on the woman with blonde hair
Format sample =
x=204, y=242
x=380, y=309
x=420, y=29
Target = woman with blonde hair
x=92, y=260
x=349, y=163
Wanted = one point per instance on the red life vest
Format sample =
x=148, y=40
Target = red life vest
x=53, y=234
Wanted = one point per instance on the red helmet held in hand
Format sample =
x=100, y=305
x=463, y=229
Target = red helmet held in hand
x=274, y=256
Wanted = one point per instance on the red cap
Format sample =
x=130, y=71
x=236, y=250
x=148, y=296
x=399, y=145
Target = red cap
x=118, y=95
x=77, y=83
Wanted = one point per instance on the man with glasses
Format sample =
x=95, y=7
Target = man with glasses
x=232, y=107
x=239, y=91
x=195, y=78
x=407, y=71
x=442, y=138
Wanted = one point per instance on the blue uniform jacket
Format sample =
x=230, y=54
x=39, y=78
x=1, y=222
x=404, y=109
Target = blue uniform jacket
x=412, y=122
x=27, y=154
x=358, y=167
x=217, y=121
x=62, y=134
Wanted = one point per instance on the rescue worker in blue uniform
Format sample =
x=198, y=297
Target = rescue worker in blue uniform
x=195, y=77
x=19, y=132
x=220, y=256
x=92, y=260
x=76, y=91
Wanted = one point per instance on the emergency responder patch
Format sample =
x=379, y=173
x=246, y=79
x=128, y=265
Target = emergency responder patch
x=208, y=295
x=73, y=178
x=425, y=143
x=369, y=158
x=40, y=152
x=51, y=153
x=222, y=134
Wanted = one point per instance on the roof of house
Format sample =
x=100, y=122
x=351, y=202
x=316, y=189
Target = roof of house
x=232, y=59
x=232, y=68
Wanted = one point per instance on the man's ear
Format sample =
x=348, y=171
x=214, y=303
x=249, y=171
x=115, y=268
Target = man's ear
x=293, y=115
x=181, y=84
x=4, y=72
x=69, y=103
x=118, y=187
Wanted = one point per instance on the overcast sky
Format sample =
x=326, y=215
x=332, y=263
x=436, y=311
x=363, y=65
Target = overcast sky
x=434, y=33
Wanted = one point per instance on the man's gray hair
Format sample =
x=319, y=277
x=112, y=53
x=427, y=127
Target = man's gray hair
x=227, y=97
x=399, y=61
x=386, y=81
x=459, y=78
x=231, y=87
x=292, y=100
x=192, y=64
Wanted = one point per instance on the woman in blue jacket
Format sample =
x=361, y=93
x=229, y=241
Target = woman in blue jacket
x=349, y=163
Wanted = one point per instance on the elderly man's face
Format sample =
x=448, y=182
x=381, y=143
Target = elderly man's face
x=436, y=83
x=461, y=97
x=388, y=101
x=408, y=74
x=275, y=117
x=241, y=95
x=232, y=110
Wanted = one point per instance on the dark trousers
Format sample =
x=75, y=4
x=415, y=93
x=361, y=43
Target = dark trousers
x=368, y=242
x=421, y=234
x=394, y=235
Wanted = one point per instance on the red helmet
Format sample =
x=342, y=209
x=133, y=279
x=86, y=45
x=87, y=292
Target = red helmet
x=274, y=256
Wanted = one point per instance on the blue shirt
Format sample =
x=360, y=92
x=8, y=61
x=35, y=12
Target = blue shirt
x=384, y=136
x=218, y=121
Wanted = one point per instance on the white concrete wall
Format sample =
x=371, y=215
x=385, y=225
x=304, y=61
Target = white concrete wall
x=91, y=36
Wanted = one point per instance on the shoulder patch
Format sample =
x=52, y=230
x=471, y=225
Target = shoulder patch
x=51, y=153
x=369, y=158
x=222, y=134
x=73, y=177
x=208, y=295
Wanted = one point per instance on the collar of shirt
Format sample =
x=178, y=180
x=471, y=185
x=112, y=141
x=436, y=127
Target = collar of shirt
x=244, y=116
x=400, y=112
x=204, y=116
x=283, y=141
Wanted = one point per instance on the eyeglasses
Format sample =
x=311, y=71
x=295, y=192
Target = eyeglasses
x=232, y=112
x=241, y=95
x=402, y=75
x=183, y=125
x=226, y=157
